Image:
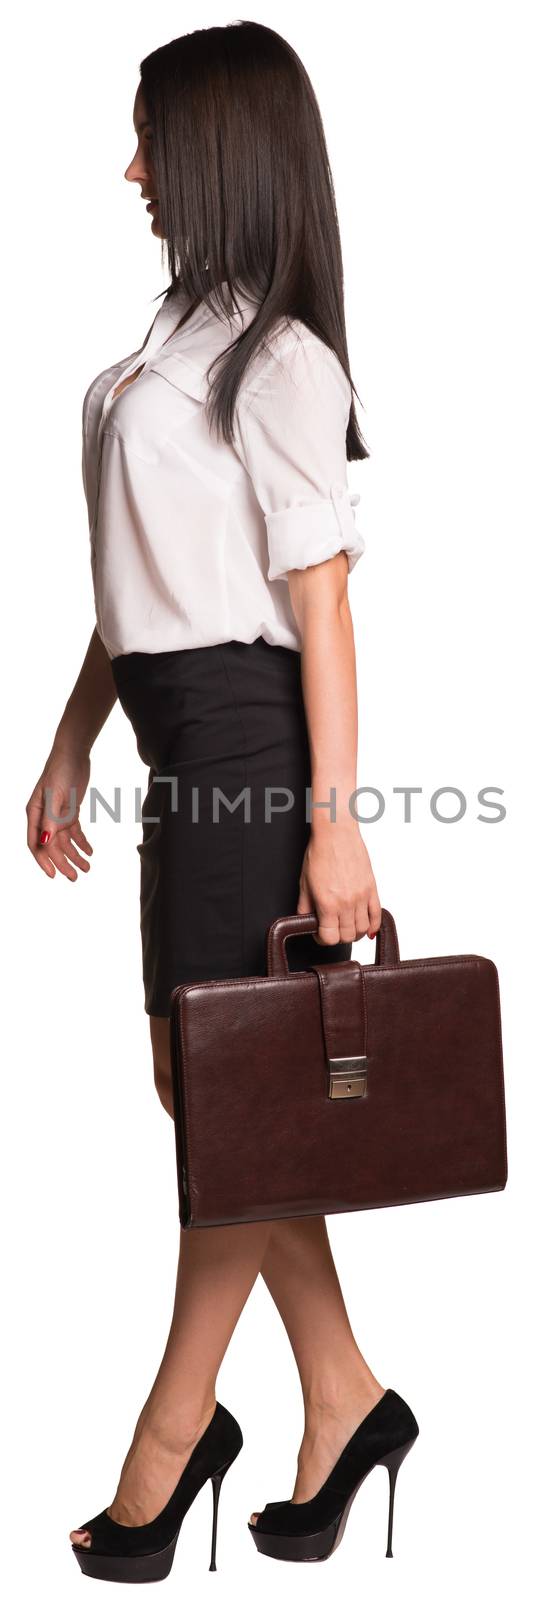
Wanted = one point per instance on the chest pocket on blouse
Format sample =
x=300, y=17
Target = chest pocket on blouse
x=155, y=405
x=179, y=397
x=182, y=375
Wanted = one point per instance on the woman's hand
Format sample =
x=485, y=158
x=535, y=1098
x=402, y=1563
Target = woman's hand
x=337, y=883
x=65, y=777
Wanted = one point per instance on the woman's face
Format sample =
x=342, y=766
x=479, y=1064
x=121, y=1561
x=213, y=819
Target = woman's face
x=141, y=166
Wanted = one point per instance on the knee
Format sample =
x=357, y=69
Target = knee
x=162, y=1069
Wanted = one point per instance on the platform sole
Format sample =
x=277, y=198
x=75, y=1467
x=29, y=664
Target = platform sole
x=126, y=1569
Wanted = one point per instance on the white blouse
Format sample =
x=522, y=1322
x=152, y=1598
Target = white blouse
x=191, y=539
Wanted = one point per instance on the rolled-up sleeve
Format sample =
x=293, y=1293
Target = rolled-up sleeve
x=290, y=434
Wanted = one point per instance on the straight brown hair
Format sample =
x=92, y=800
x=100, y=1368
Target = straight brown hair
x=246, y=195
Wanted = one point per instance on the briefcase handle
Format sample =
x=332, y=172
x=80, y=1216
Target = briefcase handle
x=387, y=945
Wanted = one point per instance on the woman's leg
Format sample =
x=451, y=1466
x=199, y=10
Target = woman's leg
x=216, y=1272
x=298, y=1268
x=338, y=1386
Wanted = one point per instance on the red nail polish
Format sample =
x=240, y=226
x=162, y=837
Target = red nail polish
x=45, y=837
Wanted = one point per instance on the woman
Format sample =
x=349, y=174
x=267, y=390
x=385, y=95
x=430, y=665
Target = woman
x=222, y=536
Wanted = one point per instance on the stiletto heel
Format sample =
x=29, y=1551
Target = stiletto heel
x=310, y=1530
x=217, y=1479
x=392, y=1462
x=144, y=1554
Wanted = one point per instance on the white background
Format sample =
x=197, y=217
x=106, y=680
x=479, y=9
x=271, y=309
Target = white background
x=433, y=119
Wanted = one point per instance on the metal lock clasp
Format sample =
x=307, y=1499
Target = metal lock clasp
x=348, y=1078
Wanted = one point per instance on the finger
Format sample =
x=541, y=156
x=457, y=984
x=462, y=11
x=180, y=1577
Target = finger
x=347, y=926
x=374, y=913
x=37, y=823
x=70, y=851
x=361, y=919
x=81, y=838
x=305, y=903
x=41, y=856
x=328, y=930
x=55, y=851
x=40, y=823
x=39, y=836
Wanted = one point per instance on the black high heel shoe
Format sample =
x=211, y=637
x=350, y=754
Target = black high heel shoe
x=143, y=1554
x=309, y=1530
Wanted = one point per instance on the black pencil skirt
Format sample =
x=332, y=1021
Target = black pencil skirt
x=222, y=729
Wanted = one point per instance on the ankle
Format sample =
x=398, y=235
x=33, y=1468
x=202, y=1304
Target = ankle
x=330, y=1394
x=175, y=1428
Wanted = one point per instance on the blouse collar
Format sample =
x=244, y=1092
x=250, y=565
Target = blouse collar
x=173, y=308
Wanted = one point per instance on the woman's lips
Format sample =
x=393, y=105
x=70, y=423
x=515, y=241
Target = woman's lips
x=151, y=205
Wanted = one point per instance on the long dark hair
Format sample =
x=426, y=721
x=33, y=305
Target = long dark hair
x=243, y=183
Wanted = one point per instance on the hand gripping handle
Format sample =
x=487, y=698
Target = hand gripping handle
x=387, y=946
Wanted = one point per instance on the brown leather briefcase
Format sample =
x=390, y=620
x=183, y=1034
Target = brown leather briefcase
x=340, y=1088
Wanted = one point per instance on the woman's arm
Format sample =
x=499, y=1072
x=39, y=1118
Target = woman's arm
x=62, y=784
x=92, y=698
x=336, y=881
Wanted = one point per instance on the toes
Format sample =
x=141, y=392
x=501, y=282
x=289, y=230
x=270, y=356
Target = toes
x=253, y=1517
x=80, y=1536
